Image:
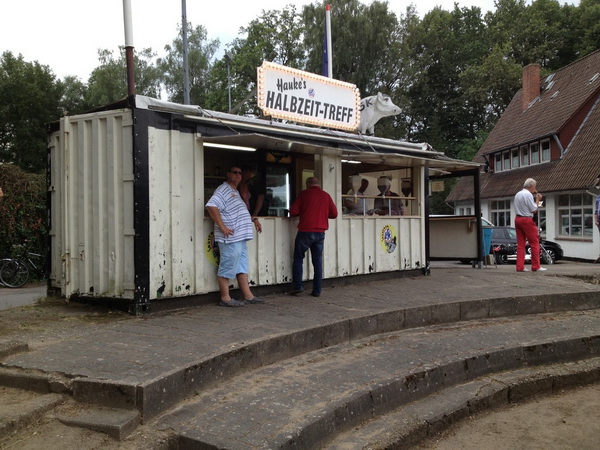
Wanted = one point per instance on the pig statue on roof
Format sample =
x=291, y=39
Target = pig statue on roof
x=374, y=108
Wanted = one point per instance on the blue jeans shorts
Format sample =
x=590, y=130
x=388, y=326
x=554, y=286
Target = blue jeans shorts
x=233, y=259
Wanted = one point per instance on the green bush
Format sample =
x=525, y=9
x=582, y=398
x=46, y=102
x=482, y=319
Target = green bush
x=23, y=212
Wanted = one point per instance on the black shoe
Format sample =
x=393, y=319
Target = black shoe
x=315, y=294
x=597, y=261
x=296, y=291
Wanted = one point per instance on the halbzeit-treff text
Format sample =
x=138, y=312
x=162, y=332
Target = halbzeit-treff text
x=307, y=107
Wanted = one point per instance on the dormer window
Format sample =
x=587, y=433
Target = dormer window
x=526, y=155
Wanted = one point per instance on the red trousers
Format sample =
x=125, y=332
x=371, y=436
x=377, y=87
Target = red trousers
x=527, y=231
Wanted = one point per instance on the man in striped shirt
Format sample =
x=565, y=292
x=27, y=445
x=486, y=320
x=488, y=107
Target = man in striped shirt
x=233, y=227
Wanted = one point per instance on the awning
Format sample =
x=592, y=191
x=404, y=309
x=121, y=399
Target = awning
x=376, y=154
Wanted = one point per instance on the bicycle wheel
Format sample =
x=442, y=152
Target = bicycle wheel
x=2, y=261
x=14, y=274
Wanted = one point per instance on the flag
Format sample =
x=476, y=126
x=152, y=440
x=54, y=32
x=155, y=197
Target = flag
x=327, y=65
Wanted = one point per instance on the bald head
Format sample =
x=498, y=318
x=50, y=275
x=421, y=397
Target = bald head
x=312, y=181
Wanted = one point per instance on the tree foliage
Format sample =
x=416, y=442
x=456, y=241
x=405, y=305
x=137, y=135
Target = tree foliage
x=29, y=99
x=360, y=41
x=108, y=81
x=23, y=210
x=201, y=51
x=275, y=36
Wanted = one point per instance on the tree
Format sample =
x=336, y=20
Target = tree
x=361, y=38
x=539, y=33
x=73, y=97
x=108, y=82
x=585, y=21
x=274, y=36
x=29, y=98
x=200, y=54
x=23, y=210
x=492, y=84
x=441, y=47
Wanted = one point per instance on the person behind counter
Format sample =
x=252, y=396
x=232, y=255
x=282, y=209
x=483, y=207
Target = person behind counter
x=233, y=228
x=357, y=207
x=386, y=206
x=254, y=192
x=315, y=207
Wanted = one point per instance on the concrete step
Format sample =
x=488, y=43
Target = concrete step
x=166, y=371
x=117, y=400
x=308, y=400
x=20, y=408
x=117, y=423
x=417, y=421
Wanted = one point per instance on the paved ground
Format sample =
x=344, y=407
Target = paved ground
x=116, y=351
x=27, y=295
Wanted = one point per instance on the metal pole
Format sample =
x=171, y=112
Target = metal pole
x=329, y=50
x=129, y=60
x=228, y=61
x=186, y=68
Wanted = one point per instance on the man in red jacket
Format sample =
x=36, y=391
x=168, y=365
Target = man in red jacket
x=315, y=207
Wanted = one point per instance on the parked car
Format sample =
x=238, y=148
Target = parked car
x=504, y=246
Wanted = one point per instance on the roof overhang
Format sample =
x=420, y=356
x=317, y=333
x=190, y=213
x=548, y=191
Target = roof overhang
x=385, y=156
x=277, y=136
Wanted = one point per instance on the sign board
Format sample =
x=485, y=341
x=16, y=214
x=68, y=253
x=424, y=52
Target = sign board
x=299, y=96
x=437, y=186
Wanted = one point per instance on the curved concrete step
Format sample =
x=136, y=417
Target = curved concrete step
x=164, y=375
x=410, y=424
x=306, y=401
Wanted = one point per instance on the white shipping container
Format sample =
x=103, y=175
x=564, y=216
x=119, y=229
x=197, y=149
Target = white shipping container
x=128, y=188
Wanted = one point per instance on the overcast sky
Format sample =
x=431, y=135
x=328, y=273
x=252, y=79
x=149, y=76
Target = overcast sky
x=66, y=34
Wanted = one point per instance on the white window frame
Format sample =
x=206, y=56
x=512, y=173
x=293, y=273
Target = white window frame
x=545, y=151
x=506, y=160
x=534, y=153
x=498, y=162
x=515, y=158
x=524, y=151
x=576, y=215
x=500, y=212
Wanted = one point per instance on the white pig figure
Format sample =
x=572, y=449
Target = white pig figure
x=374, y=108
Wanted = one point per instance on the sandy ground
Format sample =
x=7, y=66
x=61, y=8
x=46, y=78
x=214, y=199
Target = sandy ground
x=568, y=420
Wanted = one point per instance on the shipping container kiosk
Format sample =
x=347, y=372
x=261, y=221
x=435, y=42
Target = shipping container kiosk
x=128, y=185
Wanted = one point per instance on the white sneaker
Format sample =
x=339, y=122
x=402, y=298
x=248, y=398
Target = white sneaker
x=541, y=269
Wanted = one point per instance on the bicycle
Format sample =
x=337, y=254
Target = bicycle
x=15, y=272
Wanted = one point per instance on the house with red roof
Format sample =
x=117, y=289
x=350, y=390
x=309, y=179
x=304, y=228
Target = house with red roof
x=550, y=131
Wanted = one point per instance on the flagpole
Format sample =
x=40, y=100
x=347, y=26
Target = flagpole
x=328, y=36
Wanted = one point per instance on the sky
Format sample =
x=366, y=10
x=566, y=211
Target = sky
x=67, y=34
